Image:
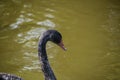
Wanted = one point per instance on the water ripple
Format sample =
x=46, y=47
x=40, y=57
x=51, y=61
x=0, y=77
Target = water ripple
x=47, y=23
x=20, y=21
x=30, y=35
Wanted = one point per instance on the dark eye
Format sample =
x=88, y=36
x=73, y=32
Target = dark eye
x=56, y=37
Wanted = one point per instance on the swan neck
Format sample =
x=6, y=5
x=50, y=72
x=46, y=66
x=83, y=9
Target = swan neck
x=48, y=73
x=42, y=47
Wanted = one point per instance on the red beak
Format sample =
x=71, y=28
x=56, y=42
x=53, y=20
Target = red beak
x=62, y=45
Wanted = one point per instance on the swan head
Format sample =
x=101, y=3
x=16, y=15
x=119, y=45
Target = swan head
x=56, y=38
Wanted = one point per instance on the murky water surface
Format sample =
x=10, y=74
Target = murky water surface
x=90, y=29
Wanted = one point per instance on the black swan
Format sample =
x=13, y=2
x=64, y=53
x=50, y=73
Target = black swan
x=50, y=35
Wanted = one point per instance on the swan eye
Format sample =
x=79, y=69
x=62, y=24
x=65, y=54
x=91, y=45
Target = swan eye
x=56, y=37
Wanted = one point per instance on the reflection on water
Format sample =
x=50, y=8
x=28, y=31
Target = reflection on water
x=90, y=32
x=32, y=34
x=47, y=23
x=20, y=20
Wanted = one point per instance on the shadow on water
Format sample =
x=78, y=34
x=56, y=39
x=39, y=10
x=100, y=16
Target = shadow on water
x=90, y=31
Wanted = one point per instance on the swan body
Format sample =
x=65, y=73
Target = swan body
x=5, y=76
x=50, y=35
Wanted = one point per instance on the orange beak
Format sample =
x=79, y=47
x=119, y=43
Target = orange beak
x=62, y=45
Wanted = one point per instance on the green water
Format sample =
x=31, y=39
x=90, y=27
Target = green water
x=91, y=34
